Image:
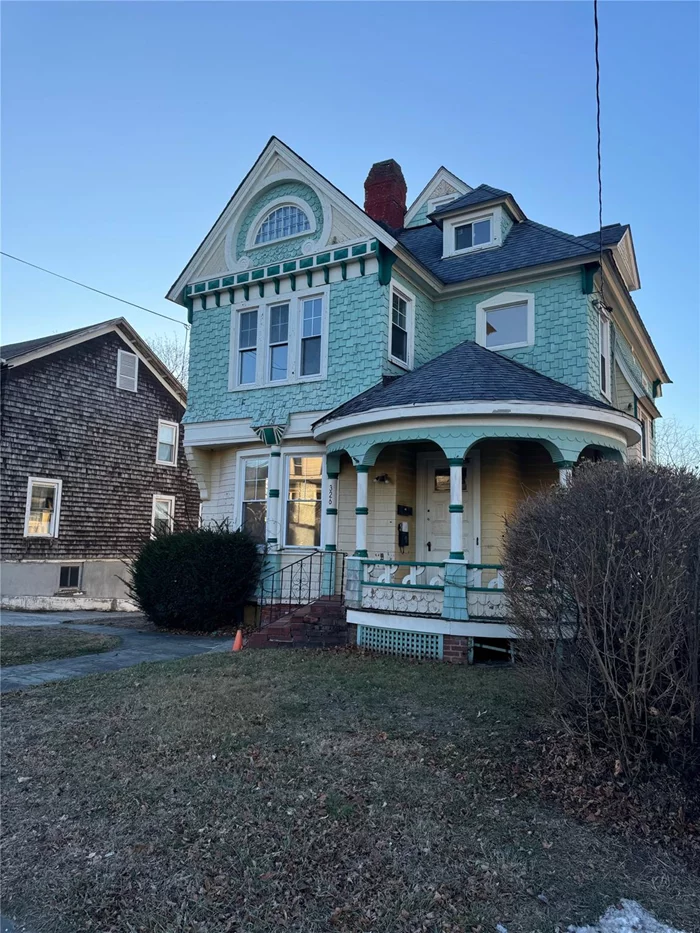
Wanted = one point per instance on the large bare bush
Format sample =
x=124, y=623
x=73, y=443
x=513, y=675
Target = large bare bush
x=603, y=579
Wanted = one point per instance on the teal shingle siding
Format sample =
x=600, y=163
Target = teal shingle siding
x=421, y=216
x=276, y=252
x=562, y=337
x=506, y=224
x=357, y=350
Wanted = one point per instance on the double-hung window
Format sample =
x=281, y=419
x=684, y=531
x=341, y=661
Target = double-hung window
x=42, y=508
x=280, y=342
x=311, y=330
x=166, y=450
x=401, y=328
x=604, y=331
x=254, y=499
x=247, y=347
x=162, y=515
x=304, y=494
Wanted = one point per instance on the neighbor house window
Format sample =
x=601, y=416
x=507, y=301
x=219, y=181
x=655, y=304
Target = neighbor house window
x=127, y=371
x=279, y=342
x=283, y=222
x=294, y=341
x=506, y=321
x=247, y=347
x=162, y=515
x=604, y=328
x=69, y=577
x=254, y=500
x=401, y=330
x=311, y=328
x=166, y=450
x=43, y=507
x=304, y=492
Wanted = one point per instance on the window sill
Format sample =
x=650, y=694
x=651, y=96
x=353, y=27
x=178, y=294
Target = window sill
x=42, y=537
x=471, y=249
x=509, y=346
x=401, y=364
x=281, y=383
x=168, y=463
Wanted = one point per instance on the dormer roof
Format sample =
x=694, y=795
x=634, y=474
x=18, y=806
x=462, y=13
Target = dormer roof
x=480, y=198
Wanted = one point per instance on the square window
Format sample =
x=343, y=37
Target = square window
x=468, y=235
x=70, y=577
x=506, y=326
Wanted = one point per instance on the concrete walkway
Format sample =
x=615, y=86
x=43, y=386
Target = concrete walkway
x=135, y=648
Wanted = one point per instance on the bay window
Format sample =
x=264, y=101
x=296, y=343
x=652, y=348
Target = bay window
x=254, y=499
x=42, y=508
x=304, y=483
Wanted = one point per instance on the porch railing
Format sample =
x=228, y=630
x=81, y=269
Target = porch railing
x=417, y=588
x=319, y=575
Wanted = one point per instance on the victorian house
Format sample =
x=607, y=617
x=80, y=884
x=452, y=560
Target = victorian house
x=377, y=389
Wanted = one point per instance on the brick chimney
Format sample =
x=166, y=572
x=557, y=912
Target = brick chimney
x=385, y=194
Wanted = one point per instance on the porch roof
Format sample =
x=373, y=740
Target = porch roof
x=466, y=373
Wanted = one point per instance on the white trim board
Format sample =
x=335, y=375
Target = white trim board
x=432, y=626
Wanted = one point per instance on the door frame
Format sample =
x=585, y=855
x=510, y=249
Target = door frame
x=473, y=494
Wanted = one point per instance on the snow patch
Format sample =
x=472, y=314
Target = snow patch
x=628, y=917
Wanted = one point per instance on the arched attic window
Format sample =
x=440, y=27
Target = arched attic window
x=286, y=221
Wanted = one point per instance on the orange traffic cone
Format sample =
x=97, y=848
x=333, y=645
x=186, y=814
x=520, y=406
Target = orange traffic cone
x=238, y=641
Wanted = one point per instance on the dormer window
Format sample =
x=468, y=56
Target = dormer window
x=474, y=234
x=281, y=223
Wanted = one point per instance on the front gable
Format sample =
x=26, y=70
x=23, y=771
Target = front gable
x=279, y=179
x=442, y=187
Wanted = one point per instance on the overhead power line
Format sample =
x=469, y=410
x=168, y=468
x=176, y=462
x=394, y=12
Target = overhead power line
x=91, y=289
x=600, y=161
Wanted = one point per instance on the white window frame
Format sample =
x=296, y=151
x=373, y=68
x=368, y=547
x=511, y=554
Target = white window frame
x=260, y=217
x=169, y=424
x=451, y=223
x=604, y=343
x=295, y=301
x=505, y=300
x=161, y=497
x=256, y=453
x=287, y=454
x=43, y=481
x=434, y=203
x=645, y=443
x=410, y=300
x=120, y=355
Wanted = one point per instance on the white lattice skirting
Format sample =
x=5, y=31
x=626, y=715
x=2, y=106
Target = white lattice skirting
x=401, y=644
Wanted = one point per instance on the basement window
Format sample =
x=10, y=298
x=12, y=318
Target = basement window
x=69, y=578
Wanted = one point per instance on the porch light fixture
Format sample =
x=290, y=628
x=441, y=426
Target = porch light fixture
x=382, y=478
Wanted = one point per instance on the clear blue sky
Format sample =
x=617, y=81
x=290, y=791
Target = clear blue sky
x=127, y=126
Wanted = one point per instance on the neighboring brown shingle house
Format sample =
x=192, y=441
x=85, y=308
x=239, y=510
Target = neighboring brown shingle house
x=92, y=454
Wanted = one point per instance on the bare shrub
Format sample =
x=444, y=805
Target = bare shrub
x=603, y=579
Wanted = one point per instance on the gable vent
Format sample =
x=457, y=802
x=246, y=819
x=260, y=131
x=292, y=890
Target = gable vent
x=127, y=371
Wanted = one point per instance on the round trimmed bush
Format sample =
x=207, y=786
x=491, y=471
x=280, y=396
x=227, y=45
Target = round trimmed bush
x=196, y=580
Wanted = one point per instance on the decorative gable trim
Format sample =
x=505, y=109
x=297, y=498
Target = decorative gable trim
x=627, y=261
x=440, y=183
x=262, y=175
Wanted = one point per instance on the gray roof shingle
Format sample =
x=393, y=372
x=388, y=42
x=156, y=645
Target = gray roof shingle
x=527, y=244
x=12, y=350
x=466, y=373
x=477, y=196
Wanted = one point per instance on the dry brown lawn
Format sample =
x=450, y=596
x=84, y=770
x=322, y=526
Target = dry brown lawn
x=300, y=791
x=31, y=644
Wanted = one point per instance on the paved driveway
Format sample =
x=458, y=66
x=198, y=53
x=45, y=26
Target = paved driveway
x=135, y=648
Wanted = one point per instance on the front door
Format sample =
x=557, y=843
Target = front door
x=433, y=500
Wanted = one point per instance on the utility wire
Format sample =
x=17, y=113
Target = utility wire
x=600, y=161
x=90, y=288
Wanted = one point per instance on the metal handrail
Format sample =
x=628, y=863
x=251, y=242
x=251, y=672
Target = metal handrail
x=301, y=583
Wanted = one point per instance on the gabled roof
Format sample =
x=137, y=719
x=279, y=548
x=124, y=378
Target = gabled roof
x=612, y=234
x=471, y=198
x=466, y=373
x=17, y=354
x=527, y=244
x=442, y=174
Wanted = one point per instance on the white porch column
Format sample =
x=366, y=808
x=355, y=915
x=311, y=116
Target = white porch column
x=331, y=531
x=361, y=511
x=456, y=509
x=272, y=530
x=566, y=471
